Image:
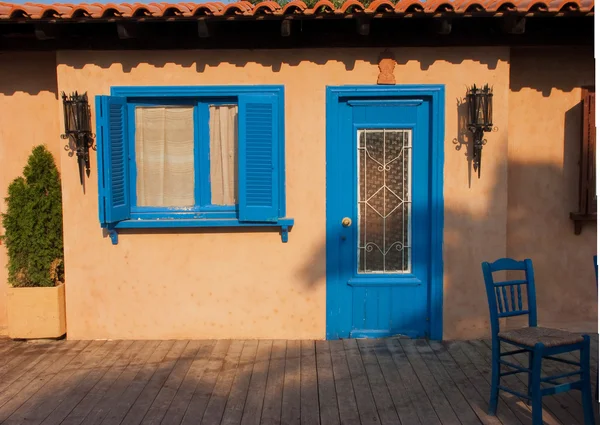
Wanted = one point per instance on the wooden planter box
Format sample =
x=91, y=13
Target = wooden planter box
x=36, y=312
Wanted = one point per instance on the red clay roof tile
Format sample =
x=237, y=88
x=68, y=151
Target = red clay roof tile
x=381, y=6
x=269, y=7
x=294, y=6
x=409, y=6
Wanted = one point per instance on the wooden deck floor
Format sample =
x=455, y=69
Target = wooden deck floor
x=386, y=381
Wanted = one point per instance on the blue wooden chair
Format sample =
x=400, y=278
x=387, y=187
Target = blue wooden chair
x=505, y=299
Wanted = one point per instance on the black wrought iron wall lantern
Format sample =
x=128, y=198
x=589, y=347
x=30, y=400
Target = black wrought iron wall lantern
x=479, y=103
x=78, y=130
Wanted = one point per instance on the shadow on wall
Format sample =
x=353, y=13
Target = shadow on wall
x=275, y=59
x=533, y=215
x=539, y=228
x=552, y=69
x=28, y=72
x=201, y=59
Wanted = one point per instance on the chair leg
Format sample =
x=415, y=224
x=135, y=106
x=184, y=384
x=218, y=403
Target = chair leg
x=586, y=390
x=529, y=375
x=597, y=382
x=536, y=385
x=495, y=377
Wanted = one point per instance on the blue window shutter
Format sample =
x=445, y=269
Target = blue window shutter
x=259, y=165
x=113, y=156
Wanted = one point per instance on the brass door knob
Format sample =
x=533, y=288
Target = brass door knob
x=346, y=222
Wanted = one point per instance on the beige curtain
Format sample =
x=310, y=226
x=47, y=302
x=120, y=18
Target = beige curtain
x=223, y=154
x=164, y=153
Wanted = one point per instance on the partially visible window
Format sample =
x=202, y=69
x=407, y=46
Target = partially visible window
x=588, y=189
x=587, y=170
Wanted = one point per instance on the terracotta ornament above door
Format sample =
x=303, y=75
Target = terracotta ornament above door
x=387, y=63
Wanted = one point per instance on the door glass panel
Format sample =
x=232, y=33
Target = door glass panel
x=384, y=201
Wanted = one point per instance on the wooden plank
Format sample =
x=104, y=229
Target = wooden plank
x=11, y=349
x=38, y=407
x=418, y=396
x=574, y=403
x=258, y=384
x=218, y=399
x=482, y=360
x=194, y=375
x=553, y=413
x=565, y=406
x=7, y=344
x=290, y=402
x=42, y=354
x=346, y=399
x=364, y=399
x=457, y=401
x=271, y=413
x=328, y=407
x=17, y=395
x=398, y=388
x=520, y=408
x=116, y=349
x=481, y=381
x=381, y=395
x=205, y=386
x=128, y=397
x=154, y=385
x=428, y=382
x=169, y=389
x=569, y=401
x=112, y=397
x=20, y=358
x=448, y=369
x=99, y=390
x=309, y=392
x=239, y=389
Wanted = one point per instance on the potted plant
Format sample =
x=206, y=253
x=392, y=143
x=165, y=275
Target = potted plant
x=34, y=241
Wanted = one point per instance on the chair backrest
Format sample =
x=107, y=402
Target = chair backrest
x=505, y=298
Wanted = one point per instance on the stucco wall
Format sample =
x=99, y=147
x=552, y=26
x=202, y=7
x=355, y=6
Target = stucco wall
x=543, y=172
x=219, y=283
x=248, y=284
x=28, y=117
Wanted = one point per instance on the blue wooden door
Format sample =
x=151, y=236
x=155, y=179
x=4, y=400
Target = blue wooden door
x=379, y=230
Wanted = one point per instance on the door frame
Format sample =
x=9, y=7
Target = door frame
x=435, y=93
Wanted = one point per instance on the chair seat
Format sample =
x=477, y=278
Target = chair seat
x=549, y=337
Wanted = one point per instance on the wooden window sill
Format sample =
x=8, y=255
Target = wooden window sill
x=580, y=218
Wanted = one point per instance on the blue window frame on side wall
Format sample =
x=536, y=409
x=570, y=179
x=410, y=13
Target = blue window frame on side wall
x=207, y=156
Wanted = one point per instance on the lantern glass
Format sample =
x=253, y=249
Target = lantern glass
x=489, y=122
x=479, y=102
x=76, y=110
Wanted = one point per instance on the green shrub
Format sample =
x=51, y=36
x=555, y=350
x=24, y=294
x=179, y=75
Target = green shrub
x=33, y=224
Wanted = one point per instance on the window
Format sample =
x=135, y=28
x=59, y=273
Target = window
x=587, y=164
x=191, y=157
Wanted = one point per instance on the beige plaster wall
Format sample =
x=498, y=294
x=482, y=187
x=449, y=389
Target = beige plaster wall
x=218, y=284
x=543, y=173
x=28, y=117
x=222, y=283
